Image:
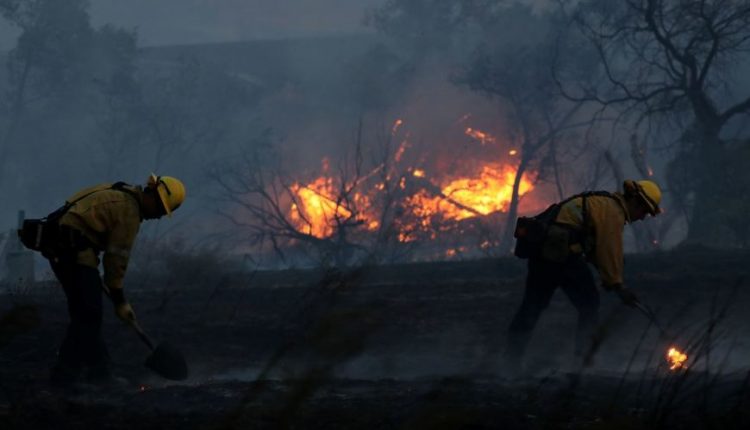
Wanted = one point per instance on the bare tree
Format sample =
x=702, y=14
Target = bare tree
x=539, y=120
x=673, y=60
x=345, y=216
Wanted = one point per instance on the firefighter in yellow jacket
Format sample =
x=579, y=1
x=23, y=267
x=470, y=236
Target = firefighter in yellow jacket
x=588, y=227
x=101, y=220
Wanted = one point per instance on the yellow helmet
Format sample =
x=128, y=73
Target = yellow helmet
x=171, y=191
x=648, y=191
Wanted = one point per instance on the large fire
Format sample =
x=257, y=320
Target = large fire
x=469, y=196
x=676, y=358
x=318, y=208
x=426, y=198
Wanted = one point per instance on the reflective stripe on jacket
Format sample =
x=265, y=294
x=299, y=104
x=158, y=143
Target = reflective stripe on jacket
x=607, y=217
x=110, y=220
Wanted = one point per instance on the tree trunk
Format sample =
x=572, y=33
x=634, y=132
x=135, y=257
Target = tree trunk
x=506, y=243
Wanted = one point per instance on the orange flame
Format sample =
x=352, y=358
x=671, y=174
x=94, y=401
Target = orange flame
x=468, y=197
x=676, y=358
x=432, y=204
x=317, y=211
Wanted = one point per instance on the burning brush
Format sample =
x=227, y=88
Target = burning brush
x=675, y=357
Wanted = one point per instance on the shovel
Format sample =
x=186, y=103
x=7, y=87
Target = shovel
x=166, y=360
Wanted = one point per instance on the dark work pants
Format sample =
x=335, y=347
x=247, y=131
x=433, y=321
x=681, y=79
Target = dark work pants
x=83, y=346
x=576, y=281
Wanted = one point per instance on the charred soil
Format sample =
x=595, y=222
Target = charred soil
x=409, y=346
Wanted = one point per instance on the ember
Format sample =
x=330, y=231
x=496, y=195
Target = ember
x=676, y=358
x=482, y=137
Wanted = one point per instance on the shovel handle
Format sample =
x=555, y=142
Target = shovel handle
x=134, y=324
x=142, y=334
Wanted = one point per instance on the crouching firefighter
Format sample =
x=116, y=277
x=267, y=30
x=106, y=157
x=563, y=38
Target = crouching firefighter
x=559, y=242
x=101, y=220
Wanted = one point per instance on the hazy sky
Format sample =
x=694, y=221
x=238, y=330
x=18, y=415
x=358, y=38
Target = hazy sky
x=167, y=22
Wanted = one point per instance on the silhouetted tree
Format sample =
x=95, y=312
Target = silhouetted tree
x=47, y=58
x=675, y=61
x=60, y=74
x=539, y=121
x=481, y=37
x=357, y=192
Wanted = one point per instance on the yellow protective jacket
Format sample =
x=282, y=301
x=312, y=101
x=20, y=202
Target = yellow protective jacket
x=110, y=220
x=606, y=217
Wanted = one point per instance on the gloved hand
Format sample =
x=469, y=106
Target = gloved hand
x=627, y=296
x=125, y=312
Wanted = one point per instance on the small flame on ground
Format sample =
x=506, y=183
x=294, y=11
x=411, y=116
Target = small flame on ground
x=676, y=358
x=512, y=152
x=418, y=173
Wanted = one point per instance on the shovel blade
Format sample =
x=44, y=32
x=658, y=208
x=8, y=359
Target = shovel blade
x=167, y=361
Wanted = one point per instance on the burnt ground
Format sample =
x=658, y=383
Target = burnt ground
x=413, y=346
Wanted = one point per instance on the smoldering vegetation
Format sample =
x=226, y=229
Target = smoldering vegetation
x=408, y=346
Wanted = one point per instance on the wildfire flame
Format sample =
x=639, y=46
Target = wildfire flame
x=430, y=203
x=317, y=211
x=468, y=197
x=676, y=358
